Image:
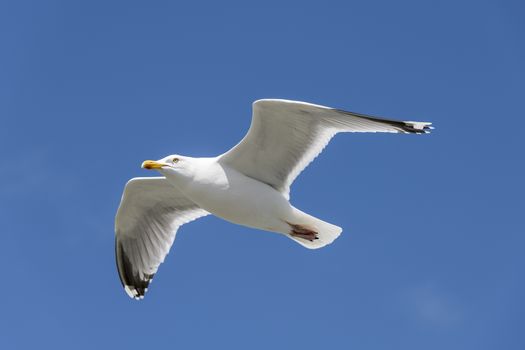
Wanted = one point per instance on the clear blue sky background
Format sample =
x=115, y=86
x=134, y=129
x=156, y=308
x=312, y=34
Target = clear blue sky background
x=432, y=255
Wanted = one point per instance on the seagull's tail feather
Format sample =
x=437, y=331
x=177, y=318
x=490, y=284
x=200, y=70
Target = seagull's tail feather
x=312, y=233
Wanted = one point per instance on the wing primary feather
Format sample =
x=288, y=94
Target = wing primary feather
x=403, y=126
x=133, y=285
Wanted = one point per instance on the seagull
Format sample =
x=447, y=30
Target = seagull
x=248, y=185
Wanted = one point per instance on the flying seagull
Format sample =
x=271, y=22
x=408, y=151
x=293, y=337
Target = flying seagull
x=248, y=185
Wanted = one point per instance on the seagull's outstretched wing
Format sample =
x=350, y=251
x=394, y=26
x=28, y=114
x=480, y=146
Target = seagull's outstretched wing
x=285, y=136
x=150, y=212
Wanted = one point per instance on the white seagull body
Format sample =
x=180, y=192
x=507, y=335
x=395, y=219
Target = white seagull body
x=249, y=185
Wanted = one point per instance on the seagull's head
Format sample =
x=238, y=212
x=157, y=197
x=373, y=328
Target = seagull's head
x=172, y=164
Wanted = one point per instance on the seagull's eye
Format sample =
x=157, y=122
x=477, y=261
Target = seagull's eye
x=175, y=160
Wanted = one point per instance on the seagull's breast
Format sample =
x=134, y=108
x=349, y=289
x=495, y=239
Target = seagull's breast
x=240, y=199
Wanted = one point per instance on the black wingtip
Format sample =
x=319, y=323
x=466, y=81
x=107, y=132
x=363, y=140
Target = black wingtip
x=417, y=127
x=407, y=127
x=134, y=286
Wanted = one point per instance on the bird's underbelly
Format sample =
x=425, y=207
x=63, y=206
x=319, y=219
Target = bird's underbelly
x=245, y=202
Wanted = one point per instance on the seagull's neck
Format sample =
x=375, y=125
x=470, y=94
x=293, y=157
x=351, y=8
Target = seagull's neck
x=198, y=171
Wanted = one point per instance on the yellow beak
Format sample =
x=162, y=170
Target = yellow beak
x=153, y=164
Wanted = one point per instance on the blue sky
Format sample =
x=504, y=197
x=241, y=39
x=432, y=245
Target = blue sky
x=431, y=256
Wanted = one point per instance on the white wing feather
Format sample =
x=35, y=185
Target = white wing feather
x=285, y=136
x=150, y=212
